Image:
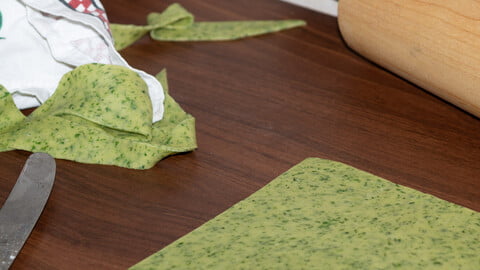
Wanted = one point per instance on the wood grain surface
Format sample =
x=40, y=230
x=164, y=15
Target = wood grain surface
x=262, y=105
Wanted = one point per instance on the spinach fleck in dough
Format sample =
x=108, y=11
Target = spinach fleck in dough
x=326, y=215
x=99, y=114
x=177, y=24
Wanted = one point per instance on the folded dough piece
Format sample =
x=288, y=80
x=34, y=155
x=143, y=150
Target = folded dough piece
x=45, y=39
x=99, y=114
x=326, y=215
x=177, y=24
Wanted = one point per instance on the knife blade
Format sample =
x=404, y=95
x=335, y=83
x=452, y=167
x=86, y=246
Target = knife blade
x=24, y=205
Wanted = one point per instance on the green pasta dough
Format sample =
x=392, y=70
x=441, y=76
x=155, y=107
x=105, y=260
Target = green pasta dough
x=177, y=24
x=99, y=114
x=326, y=215
x=218, y=31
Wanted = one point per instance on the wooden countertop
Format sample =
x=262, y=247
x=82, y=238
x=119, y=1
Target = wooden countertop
x=262, y=105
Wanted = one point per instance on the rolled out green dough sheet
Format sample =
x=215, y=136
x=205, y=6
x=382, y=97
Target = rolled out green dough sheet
x=326, y=215
x=99, y=114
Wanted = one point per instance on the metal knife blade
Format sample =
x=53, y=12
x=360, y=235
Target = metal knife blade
x=24, y=205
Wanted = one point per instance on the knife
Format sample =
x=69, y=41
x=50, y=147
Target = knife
x=24, y=205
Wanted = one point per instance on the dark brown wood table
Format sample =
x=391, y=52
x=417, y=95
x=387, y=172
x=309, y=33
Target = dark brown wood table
x=262, y=105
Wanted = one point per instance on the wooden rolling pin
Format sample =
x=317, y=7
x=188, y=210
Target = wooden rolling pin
x=432, y=43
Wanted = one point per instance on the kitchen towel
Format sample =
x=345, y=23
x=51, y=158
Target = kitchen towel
x=43, y=40
x=99, y=114
x=327, y=215
x=177, y=24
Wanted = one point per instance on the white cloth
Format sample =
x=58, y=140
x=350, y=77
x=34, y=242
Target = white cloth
x=44, y=39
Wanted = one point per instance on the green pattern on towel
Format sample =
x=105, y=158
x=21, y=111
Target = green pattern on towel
x=1, y=22
x=99, y=114
x=177, y=24
x=326, y=215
